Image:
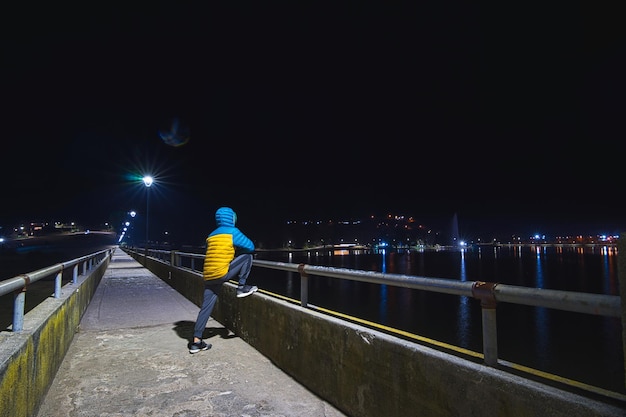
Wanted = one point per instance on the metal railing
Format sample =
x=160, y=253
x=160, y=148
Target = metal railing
x=488, y=293
x=18, y=285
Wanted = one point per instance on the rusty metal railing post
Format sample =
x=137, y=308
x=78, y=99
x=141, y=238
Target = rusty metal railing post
x=484, y=291
x=304, y=286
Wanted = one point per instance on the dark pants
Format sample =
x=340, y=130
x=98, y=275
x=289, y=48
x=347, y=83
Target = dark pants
x=240, y=268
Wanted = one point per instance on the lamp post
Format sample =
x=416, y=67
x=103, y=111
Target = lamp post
x=147, y=180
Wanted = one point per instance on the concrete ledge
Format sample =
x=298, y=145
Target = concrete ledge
x=366, y=373
x=30, y=359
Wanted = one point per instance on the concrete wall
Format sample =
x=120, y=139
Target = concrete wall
x=370, y=374
x=30, y=359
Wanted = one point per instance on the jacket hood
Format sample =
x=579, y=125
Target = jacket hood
x=225, y=216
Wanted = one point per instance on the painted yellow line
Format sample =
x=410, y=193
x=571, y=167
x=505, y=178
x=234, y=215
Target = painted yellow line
x=403, y=333
x=563, y=380
x=383, y=327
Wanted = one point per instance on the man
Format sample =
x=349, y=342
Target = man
x=228, y=255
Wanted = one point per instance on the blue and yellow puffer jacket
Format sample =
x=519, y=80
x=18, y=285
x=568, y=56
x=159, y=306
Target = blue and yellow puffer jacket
x=222, y=244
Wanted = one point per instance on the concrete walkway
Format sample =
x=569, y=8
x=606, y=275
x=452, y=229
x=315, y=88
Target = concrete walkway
x=130, y=358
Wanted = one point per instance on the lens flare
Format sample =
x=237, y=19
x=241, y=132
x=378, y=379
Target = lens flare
x=175, y=133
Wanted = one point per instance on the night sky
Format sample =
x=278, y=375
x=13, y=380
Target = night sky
x=510, y=116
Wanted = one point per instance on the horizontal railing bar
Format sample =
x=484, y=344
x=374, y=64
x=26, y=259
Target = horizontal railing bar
x=580, y=302
x=442, y=285
x=597, y=304
x=20, y=281
x=587, y=303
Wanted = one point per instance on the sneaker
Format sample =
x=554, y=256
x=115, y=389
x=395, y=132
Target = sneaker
x=197, y=347
x=246, y=290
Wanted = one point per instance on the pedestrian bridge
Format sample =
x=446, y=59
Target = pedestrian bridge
x=113, y=343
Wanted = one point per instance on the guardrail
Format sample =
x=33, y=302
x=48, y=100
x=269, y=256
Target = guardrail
x=488, y=293
x=18, y=285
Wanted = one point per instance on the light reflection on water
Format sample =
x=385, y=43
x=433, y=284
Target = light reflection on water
x=464, y=307
x=577, y=346
x=541, y=315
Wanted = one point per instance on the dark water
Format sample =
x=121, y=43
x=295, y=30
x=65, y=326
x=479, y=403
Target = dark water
x=578, y=346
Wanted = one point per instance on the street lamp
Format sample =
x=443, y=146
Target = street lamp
x=147, y=180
